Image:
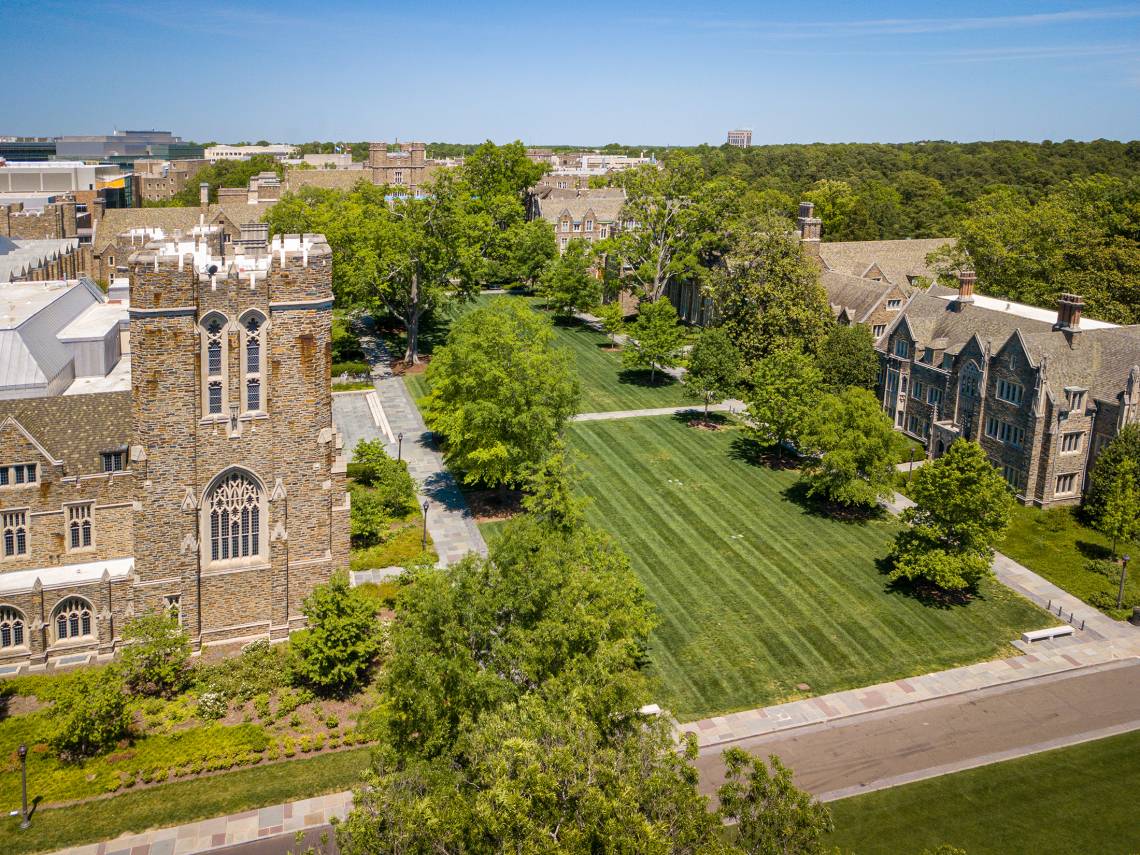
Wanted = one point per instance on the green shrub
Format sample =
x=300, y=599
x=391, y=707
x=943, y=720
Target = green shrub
x=389, y=478
x=345, y=344
x=339, y=368
x=295, y=721
x=156, y=659
x=306, y=744
x=287, y=747
x=261, y=706
x=343, y=636
x=212, y=705
x=260, y=669
x=332, y=722
x=89, y=713
x=369, y=522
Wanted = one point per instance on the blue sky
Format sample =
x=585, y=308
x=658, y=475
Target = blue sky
x=586, y=72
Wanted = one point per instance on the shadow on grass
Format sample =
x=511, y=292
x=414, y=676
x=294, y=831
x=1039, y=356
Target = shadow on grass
x=753, y=452
x=695, y=417
x=925, y=593
x=797, y=493
x=1094, y=551
x=646, y=379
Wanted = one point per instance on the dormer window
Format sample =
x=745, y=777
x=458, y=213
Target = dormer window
x=894, y=305
x=1076, y=399
x=18, y=474
x=902, y=348
x=114, y=461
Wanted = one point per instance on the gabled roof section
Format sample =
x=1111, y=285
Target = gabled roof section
x=74, y=429
x=896, y=259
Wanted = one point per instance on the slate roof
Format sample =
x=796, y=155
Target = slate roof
x=20, y=257
x=858, y=296
x=1098, y=359
x=897, y=259
x=606, y=208
x=75, y=428
x=115, y=221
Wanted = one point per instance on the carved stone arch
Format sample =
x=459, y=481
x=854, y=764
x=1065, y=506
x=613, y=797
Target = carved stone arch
x=234, y=519
x=213, y=328
x=253, y=331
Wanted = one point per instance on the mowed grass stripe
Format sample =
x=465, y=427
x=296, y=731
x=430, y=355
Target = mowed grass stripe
x=797, y=599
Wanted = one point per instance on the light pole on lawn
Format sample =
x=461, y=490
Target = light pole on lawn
x=1123, y=576
x=399, y=446
x=23, y=752
x=423, y=540
x=910, y=473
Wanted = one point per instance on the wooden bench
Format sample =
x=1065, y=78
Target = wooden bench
x=1047, y=633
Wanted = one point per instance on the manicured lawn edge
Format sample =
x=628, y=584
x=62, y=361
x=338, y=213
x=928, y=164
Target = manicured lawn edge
x=183, y=802
x=1074, y=799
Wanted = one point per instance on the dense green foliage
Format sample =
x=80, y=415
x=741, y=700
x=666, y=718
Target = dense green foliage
x=501, y=392
x=785, y=393
x=225, y=173
x=568, y=284
x=714, y=368
x=612, y=318
x=340, y=641
x=848, y=357
x=386, y=477
x=1124, y=448
x=854, y=446
x=767, y=292
x=88, y=714
x=156, y=658
x=962, y=510
x=655, y=338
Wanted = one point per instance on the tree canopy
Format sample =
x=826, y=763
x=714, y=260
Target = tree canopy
x=568, y=283
x=656, y=338
x=714, y=368
x=501, y=392
x=785, y=393
x=848, y=357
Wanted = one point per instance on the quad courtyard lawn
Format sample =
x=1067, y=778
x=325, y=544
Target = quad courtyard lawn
x=757, y=592
x=1075, y=799
x=606, y=386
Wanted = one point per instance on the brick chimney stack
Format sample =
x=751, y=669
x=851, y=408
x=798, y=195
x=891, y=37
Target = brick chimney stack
x=810, y=229
x=966, y=280
x=1069, y=309
x=204, y=195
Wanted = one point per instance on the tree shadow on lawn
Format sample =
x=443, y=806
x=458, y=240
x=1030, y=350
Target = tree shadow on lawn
x=928, y=595
x=797, y=493
x=750, y=450
x=646, y=379
x=1094, y=551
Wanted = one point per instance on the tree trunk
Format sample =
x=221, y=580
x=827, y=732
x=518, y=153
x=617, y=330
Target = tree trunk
x=412, y=323
x=652, y=373
x=706, y=408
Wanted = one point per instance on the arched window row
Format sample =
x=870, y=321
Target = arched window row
x=71, y=619
x=215, y=362
x=12, y=627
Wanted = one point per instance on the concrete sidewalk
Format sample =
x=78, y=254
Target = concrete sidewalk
x=730, y=406
x=223, y=831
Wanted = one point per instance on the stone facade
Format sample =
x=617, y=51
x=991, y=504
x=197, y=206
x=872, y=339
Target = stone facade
x=1042, y=398
x=407, y=169
x=161, y=180
x=54, y=220
x=233, y=508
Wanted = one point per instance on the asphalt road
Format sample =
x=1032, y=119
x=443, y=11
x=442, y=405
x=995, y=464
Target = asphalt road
x=874, y=750
x=891, y=747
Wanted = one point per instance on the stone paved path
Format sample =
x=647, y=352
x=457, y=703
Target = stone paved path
x=210, y=834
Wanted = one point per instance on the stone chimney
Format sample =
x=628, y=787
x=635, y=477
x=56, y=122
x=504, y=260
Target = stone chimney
x=1069, y=309
x=966, y=280
x=204, y=195
x=810, y=228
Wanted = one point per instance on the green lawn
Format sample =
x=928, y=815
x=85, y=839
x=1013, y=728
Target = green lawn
x=180, y=803
x=1055, y=545
x=606, y=386
x=754, y=592
x=1072, y=800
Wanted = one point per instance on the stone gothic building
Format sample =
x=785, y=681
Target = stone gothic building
x=214, y=488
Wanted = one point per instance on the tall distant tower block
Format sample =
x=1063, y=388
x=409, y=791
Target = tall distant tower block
x=741, y=138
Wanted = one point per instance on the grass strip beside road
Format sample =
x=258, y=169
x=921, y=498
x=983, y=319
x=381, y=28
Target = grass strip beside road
x=1076, y=799
x=183, y=802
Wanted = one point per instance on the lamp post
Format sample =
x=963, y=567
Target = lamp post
x=910, y=472
x=423, y=540
x=399, y=446
x=23, y=752
x=1123, y=576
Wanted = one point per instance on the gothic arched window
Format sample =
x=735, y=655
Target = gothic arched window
x=253, y=361
x=11, y=627
x=213, y=365
x=233, y=511
x=72, y=619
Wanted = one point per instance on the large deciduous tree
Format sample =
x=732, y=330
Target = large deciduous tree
x=1119, y=516
x=1122, y=450
x=656, y=338
x=962, y=509
x=501, y=392
x=568, y=283
x=853, y=446
x=848, y=357
x=767, y=292
x=334, y=651
x=714, y=368
x=785, y=393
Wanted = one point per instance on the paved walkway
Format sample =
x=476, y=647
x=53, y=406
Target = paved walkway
x=210, y=834
x=730, y=406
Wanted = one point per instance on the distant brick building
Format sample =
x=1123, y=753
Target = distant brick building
x=214, y=488
x=161, y=180
x=740, y=138
x=406, y=170
x=590, y=215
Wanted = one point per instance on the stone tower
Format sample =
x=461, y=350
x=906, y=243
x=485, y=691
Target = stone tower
x=241, y=504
